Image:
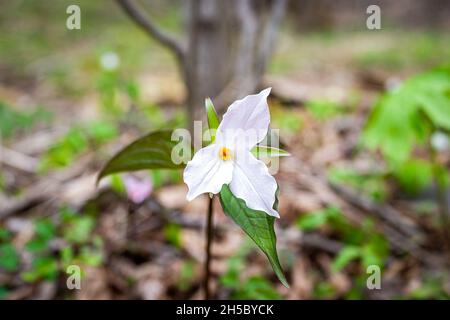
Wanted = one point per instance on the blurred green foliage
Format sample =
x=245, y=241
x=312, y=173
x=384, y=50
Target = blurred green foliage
x=111, y=85
x=77, y=141
x=3, y=292
x=372, y=184
x=15, y=121
x=9, y=258
x=42, y=42
x=287, y=119
x=362, y=244
x=80, y=246
x=172, y=232
x=397, y=50
x=162, y=177
x=186, y=275
x=2, y=181
x=254, y=287
x=324, y=290
x=324, y=109
x=397, y=121
x=432, y=287
x=77, y=229
x=396, y=128
x=404, y=119
x=44, y=265
x=414, y=175
x=424, y=49
x=257, y=288
x=121, y=102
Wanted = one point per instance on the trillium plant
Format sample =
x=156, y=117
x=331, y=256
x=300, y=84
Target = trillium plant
x=230, y=165
x=229, y=161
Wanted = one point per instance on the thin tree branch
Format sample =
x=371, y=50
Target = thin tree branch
x=142, y=20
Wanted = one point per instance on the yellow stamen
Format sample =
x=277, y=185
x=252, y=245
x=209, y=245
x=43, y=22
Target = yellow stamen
x=225, y=153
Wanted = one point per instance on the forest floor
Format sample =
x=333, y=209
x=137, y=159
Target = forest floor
x=69, y=101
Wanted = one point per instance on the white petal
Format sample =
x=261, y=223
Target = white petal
x=253, y=183
x=246, y=119
x=206, y=172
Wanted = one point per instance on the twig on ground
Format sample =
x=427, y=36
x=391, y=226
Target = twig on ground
x=383, y=211
x=18, y=160
x=45, y=190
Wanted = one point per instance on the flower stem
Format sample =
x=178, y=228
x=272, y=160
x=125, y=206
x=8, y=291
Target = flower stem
x=209, y=238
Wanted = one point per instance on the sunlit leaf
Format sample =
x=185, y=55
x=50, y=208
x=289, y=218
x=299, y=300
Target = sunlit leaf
x=397, y=121
x=414, y=175
x=258, y=225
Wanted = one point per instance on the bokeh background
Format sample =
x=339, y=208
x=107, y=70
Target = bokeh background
x=364, y=113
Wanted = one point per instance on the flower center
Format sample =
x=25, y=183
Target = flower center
x=225, y=153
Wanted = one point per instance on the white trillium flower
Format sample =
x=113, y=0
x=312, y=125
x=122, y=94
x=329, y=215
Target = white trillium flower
x=229, y=160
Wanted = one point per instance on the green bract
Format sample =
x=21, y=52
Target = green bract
x=269, y=152
x=213, y=119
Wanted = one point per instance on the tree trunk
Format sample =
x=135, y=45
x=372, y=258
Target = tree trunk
x=228, y=49
x=228, y=46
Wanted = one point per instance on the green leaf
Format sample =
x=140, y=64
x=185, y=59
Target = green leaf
x=101, y=132
x=256, y=288
x=79, y=229
x=42, y=268
x=172, y=233
x=269, y=152
x=414, y=175
x=91, y=256
x=258, y=225
x=397, y=123
x=9, y=259
x=186, y=275
x=4, y=234
x=66, y=255
x=324, y=109
x=37, y=245
x=287, y=119
x=45, y=229
x=344, y=257
x=152, y=151
x=313, y=220
x=375, y=251
x=3, y=293
x=213, y=118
